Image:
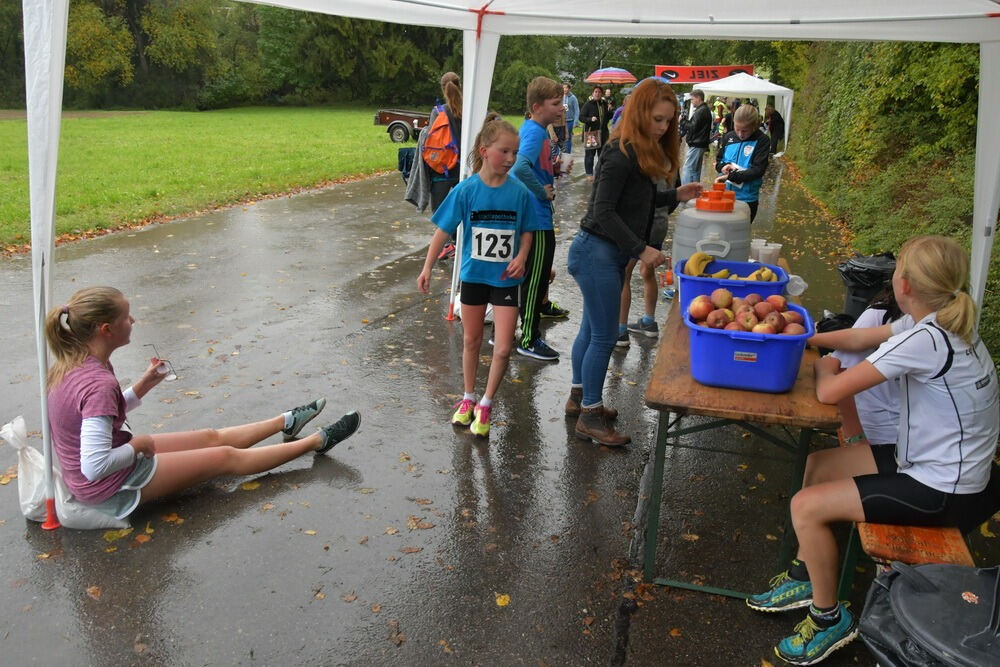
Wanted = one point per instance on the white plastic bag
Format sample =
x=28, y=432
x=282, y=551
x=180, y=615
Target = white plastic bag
x=31, y=486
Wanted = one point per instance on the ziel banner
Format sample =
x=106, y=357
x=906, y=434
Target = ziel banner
x=700, y=73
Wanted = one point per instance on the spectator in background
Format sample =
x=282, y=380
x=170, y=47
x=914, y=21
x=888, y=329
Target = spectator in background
x=699, y=127
x=775, y=126
x=572, y=108
x=595, y=116
x=609, y=98
x=742, y=160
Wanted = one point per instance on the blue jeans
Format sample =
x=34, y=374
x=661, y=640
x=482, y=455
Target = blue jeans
x=692, y=165
x=598, y=267
x=568, y=144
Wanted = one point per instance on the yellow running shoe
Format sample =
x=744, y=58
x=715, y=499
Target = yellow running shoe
x=481, y=424
x=463, y=413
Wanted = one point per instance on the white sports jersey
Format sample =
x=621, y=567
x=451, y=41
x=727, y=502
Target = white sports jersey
x=948, y=421
x=878, y=407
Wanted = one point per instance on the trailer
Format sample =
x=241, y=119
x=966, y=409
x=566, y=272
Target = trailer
x=402, y=125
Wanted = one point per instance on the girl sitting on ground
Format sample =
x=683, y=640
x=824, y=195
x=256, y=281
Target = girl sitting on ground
x=941, y=471
x=497, y=221
x=102, y=462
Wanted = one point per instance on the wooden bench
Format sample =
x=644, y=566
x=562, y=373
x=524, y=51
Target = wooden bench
x=912, y=545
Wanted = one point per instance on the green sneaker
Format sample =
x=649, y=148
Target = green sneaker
x=811, y=643
x=786, y=593
x=481, y=424
x=463, y=412
x=301, y=416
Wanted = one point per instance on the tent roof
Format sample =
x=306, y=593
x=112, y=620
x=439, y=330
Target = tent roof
x=904, y=20
x=742, y=84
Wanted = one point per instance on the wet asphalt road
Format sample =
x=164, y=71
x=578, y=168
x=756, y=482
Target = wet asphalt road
x=393, y=549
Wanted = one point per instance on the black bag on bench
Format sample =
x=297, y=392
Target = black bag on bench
x=933, y=616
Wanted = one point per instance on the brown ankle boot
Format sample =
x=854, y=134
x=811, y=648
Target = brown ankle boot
x=573, y=405
x=593, y=424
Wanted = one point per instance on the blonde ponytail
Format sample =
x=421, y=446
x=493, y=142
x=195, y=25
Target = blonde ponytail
x=70, y=328
x=937, y=268
x=493, y=127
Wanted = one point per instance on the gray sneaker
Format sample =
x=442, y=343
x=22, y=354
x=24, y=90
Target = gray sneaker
x=301, y=416
x=623, y=340
x=638, y=327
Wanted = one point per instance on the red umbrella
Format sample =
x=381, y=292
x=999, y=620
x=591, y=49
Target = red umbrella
x=611, y=75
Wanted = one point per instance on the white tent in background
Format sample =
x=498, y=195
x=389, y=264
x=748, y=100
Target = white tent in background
x=482, y=23
x=745, y=85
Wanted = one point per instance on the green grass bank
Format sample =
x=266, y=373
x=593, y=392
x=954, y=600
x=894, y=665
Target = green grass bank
x=122, y=167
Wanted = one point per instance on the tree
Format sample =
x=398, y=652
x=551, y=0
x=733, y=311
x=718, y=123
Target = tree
x=98, y=49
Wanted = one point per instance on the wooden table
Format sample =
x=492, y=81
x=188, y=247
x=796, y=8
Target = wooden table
x=671, y=389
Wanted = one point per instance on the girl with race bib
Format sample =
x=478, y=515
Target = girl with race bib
x=940, y=471
x=497, y=220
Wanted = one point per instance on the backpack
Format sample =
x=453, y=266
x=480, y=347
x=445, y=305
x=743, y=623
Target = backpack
x=440, y=148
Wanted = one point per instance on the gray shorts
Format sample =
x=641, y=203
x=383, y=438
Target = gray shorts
x=126, y=499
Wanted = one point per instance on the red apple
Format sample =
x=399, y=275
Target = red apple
x=700, y=307
x=730, y=315
x=717, y=319
x=722, y=298
x=747, y=319
x=753, y=298
x=793, y=329
x=738, y=302
x=702, y=323
x=733, y=326
x=793, y=316
x=779, y=302
x=776, y=321
x=762, y=308
x=763, y=327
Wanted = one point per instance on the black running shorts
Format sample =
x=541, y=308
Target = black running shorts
x=479, y=294
x=896, y=498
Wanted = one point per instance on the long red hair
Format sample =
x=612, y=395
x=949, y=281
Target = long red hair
x=657, y=159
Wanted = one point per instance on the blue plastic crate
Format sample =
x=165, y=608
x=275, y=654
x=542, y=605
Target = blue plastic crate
x=692, y=286
x=746, y=360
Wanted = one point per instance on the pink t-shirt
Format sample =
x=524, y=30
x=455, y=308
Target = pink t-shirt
x=92, y=390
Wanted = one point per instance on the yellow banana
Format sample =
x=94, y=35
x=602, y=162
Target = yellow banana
x=774, y=277
x=696, y=263
x=754, y=276
x=765, y=274
x=721, y=273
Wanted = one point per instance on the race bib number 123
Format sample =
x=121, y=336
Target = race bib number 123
x=492, y=245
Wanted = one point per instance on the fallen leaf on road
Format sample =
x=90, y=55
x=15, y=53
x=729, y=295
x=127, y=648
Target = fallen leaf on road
x=690, y=537
x=250, y=486
x=411, y=550
x=502, y=599
x=773, y=538
x=588, y=621
x=985, y=531
x=363, y=540
x=403, y=457
x=112, y=535
x=391, y=531
x=742, y=466
x=309, y=532
x=320, y=595
x=141, y=539
x=444, y=646
x=376, y=608
x=149, y=528
x=172, y=518
x=675, y=632
x=766, y=663
x=395, y=636
x=423, y=501
x=94, y=592
x=110, y=550
x=366, y=490
x=350, y=597
x=266, y=507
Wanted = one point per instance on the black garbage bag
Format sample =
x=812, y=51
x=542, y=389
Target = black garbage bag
x=864, y=277
x=933, y=616
x=834, y=322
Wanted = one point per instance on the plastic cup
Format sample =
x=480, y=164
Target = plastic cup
x=769, y=254
x=796, y=285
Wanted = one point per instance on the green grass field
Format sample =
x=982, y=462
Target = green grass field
x=121, y=167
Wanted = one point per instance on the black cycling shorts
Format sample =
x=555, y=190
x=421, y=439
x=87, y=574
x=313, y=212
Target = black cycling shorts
x=896, y=498
x=480, y=294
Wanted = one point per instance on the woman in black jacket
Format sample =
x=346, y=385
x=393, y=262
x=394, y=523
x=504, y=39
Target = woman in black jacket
x=641, y=150
x=595, y=116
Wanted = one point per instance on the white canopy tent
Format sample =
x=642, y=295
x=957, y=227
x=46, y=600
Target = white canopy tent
x=745, y=85
x=484, y=21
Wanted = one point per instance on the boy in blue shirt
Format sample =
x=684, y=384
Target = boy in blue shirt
x=533, y=168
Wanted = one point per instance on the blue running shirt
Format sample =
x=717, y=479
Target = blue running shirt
x=492, y=220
